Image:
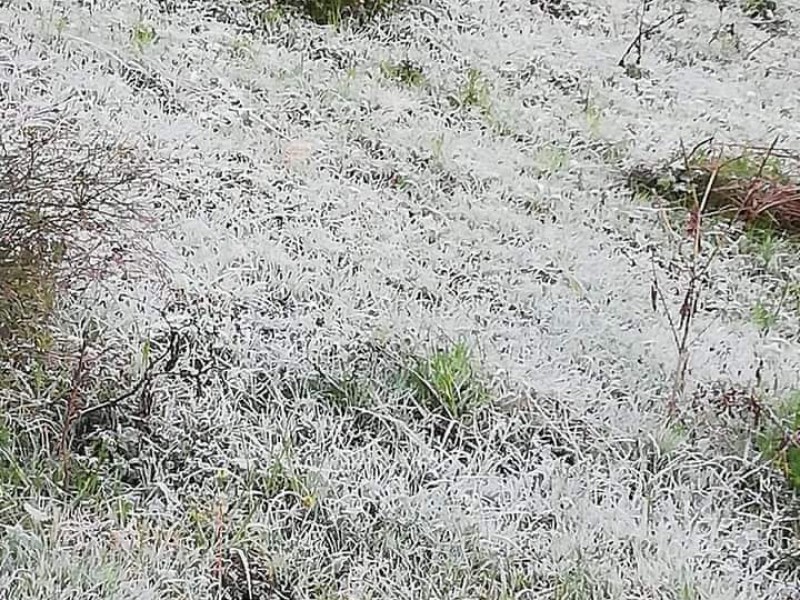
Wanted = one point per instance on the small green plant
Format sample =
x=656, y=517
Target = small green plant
x=242, y=47
x=574, y=585
x=271, y=16
x=594, y=118
x=780, y=442
x=687, y=591
x=437, y=147
x=344, y=391
x=762, y=242
x=61, y=24
x=475, y=92
x=764, y=318
x=759, y=9
x=27, y=295
x=335, y=12
x=281, y=479
x=405, y=72
x=143, y=35
x=446, y=382
x=552, y=159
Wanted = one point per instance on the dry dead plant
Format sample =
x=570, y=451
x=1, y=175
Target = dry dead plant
x=70, y=212
x=696, y=268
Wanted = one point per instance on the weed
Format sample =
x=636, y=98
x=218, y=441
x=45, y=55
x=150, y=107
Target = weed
x=143, y=35
x=406, y=72
x=695, y=269
x=65, y=208
x=281, y=480
x=271, y=16
x=594, y=119
x=687, y=591
x=437, y=147
x=27, y=296
x=762, y=242
x=745, y=186
x=336, y=12
x=764, y=318
x=446, y=382
x=576, y=584
x=52, y=193
x=61, y=25
x=345, y=391
x=475, y=92
x=759, y=9
x=780, y=442
x=552, y=159
x=242, y=48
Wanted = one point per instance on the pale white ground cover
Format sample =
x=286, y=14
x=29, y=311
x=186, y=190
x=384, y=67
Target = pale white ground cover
x=286, y=246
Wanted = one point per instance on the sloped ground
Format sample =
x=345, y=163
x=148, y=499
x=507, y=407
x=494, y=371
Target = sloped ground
x=317, y=220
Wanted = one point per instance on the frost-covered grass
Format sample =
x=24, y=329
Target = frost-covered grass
x=387, y=329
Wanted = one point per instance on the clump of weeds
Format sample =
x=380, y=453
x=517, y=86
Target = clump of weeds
x=446, y=382
x=754, y=186
x=143, y=36
x=336, y=12
x=406, y=72
x=779, y=442
x=473, y=93
x=66, y=217
x=759, y=9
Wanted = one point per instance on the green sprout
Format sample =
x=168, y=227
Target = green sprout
x=405, y=72
x=475, y=91
x=764, y=318
x=143, y=35
x=780, y=444
x=446, y=382
x=335, y=12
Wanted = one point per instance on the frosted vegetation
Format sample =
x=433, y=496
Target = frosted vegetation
x=371, y=306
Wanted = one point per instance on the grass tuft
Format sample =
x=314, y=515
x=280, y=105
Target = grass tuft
x=336, y=12
x=474, y=92
x=405, y=72
x=759, y=9
x=446, y=382
x=780, y=442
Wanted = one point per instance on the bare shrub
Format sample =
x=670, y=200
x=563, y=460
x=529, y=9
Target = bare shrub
x=68, y=214
x=71, y=213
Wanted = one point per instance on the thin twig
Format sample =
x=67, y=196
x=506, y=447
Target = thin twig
x=767, y=155
x=760, y=45
x=72, y=406
x=643, y=33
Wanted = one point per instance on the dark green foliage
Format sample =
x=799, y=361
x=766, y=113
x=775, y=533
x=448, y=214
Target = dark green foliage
x=781, y=443
x=446, y=382
x=334, y=12
x=759, y=9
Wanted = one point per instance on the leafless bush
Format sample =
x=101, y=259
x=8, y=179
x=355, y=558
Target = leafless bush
x=68, y=214
x=72, y=211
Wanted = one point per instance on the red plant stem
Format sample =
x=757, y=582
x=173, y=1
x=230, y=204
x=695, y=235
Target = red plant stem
x=72, y=408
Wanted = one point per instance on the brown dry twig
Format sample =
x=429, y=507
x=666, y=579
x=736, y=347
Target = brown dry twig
x=644, y=33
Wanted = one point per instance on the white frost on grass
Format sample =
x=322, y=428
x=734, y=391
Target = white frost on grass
x=294, y=245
